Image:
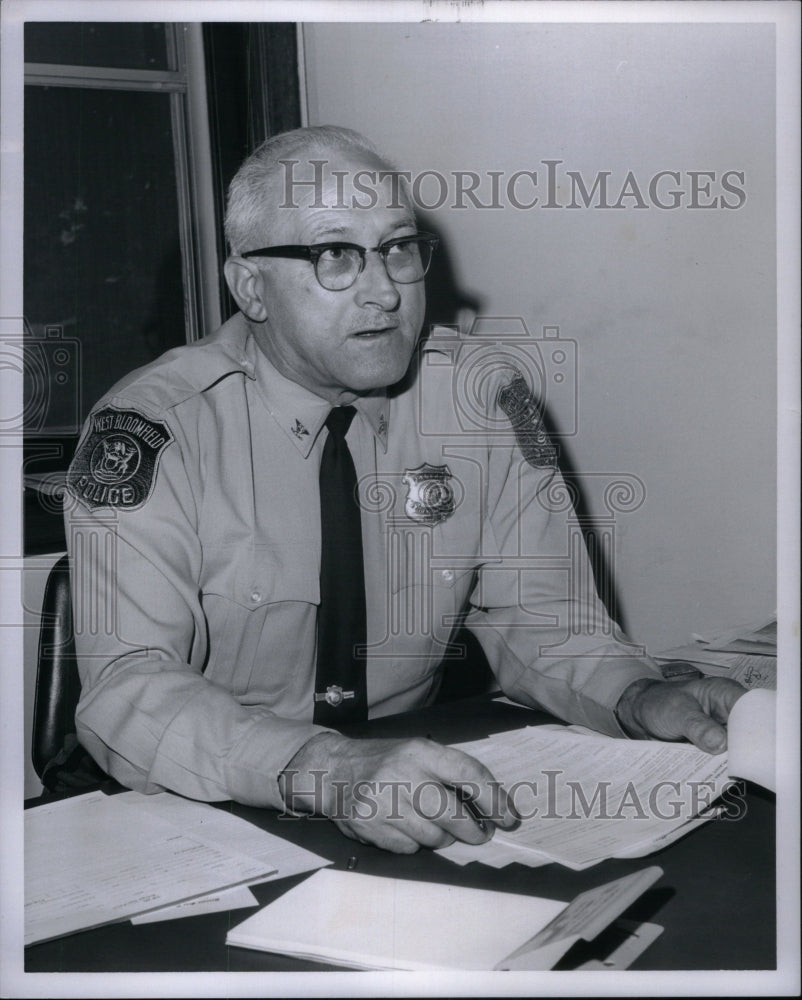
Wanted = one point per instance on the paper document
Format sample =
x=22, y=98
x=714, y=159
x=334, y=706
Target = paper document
x=216, y=902
x=91, y=860
x=750, y=669
x=587, y=798
x=586, y=916
x=494, y=854
x=752, y=737
x=366, y=922
x=280, y=857
x=759, y=637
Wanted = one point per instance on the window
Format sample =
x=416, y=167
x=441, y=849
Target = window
x=132, y=132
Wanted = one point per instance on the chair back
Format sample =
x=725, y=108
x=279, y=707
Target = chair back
x=58, y=686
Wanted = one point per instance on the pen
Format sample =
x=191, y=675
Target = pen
x=473, y=810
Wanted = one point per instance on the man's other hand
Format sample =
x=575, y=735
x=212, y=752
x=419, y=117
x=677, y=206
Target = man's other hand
x=397, y=794
x=695, y=710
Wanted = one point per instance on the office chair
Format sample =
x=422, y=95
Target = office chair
x=58, y=759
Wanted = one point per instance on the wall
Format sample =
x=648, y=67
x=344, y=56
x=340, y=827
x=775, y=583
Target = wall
x=673, y=311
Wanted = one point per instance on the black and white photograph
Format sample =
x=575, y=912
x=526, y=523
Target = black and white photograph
x=399, y=428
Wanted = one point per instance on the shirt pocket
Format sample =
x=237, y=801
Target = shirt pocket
x=258, y=601
x=425, y=613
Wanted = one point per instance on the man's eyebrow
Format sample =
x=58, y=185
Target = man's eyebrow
x=325, y=231
x=408, y=223
x=329, y=232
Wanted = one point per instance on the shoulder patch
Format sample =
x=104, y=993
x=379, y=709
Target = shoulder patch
x=525, y=414
x=116, y=464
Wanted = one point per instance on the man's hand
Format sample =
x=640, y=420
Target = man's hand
x=397, y=794
x=696, y=710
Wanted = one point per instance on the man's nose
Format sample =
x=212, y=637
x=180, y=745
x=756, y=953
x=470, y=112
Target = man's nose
x=375, y=286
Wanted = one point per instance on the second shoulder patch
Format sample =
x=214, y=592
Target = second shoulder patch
x=525, y=414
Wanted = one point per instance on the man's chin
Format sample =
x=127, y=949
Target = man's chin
x=381, y=377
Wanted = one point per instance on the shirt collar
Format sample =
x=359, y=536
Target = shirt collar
x=301, y=413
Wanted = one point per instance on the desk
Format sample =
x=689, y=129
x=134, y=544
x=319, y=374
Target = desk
x=716, y=899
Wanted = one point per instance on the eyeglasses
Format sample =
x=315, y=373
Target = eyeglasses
x=338, y=265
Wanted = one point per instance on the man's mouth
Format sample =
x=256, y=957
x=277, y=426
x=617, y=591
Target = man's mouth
x=375, y=331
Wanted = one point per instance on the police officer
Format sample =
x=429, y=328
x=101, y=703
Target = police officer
x=195, y=518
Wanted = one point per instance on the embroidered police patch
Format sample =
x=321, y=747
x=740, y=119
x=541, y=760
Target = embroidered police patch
x=526, y=416
x=116, y=464
x=430, y=497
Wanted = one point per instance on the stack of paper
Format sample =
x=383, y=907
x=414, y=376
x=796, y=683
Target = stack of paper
x=365, y=922
x=95, y=859
x=747, y=654
x=584, y=797
x=280, y=856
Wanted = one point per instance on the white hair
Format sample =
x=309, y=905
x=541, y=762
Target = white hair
x=250, y=193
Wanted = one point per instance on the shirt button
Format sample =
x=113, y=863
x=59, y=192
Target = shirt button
x=448, y=575
x=256, y=596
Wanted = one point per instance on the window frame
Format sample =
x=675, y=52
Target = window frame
x=192, y=156
x=185, y=83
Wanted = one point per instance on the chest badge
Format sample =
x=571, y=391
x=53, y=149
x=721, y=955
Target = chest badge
x=430, y=495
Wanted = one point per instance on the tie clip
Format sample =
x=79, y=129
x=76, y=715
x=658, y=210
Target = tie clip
x=334, y=695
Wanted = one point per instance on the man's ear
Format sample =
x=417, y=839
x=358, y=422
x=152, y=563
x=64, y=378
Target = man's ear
x=244, y=280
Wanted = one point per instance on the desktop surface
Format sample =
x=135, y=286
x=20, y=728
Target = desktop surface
x=716, y=900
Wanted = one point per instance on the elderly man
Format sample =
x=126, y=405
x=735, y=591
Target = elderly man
x=289, y=523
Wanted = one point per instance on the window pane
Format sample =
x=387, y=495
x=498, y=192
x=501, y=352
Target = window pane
x=102, y=260
x=126, y=46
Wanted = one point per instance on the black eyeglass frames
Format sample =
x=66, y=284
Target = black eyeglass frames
x=338, y=265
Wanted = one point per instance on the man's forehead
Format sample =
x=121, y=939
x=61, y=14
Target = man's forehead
x=340, y=180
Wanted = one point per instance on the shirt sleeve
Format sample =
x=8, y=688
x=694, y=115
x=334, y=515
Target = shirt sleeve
x=147, y=713
x=536, y=611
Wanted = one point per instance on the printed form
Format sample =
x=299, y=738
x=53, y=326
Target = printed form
x=585, y=798
x=280, y=856
x=90, y=860
x=95, y=859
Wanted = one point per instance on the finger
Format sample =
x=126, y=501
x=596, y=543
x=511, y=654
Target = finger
x=704, y=732
x=381, y=834
x=718, y=695
x=429, y=833
x=489, y=799
x=436, y=816
x=462, y=822
x=476, y=782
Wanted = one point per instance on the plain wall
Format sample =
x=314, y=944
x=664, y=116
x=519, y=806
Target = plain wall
x=673, y=311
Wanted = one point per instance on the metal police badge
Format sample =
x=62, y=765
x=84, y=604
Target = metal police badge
x=116, y=464
x=430, y=497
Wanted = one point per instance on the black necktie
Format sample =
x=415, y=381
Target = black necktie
x=340, y=687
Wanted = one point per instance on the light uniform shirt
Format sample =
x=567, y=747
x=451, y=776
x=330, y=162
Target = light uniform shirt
x=193, y=527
